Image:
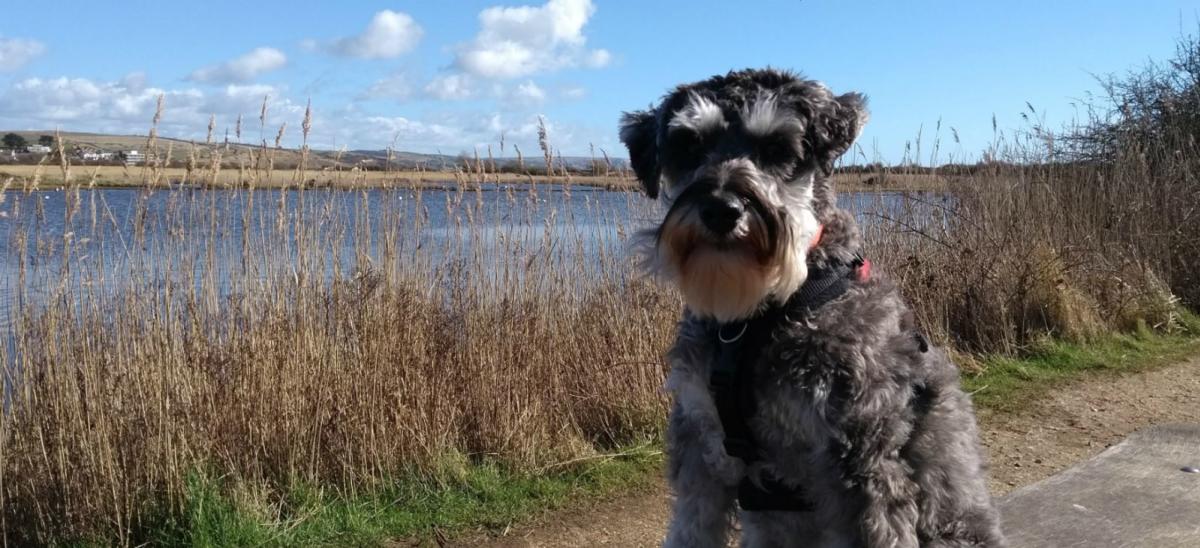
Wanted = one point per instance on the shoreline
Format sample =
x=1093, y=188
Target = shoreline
x=173, y=179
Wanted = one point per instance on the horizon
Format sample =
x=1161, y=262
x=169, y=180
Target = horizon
x=448, y=81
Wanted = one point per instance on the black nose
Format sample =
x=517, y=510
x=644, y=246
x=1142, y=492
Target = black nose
x=721, y=213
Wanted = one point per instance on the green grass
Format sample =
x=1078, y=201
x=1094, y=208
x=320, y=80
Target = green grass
x=219, y=512
x=1009, y=383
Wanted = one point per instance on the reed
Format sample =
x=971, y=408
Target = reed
x=284, y=355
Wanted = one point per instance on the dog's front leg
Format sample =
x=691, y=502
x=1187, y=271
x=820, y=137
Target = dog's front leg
x=874, y=467
x=702, y=475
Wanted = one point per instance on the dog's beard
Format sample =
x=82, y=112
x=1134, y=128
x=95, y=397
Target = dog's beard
x=731, y=279
x=725, y=285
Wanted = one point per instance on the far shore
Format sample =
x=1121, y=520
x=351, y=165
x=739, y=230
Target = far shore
x=50, y=178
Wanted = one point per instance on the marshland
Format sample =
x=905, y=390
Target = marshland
x=262, y=345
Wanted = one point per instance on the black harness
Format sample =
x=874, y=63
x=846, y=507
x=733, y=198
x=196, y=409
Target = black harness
x=732, y=379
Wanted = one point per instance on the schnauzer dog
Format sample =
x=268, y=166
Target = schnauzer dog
x=803, y=392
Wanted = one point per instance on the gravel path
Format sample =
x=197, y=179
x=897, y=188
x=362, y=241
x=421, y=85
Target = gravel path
x=1074, y=422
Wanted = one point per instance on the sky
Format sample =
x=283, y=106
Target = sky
x=451, y=76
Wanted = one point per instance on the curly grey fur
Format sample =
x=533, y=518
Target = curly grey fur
x=876, y=431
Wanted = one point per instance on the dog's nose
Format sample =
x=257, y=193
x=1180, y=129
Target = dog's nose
x=721, y=214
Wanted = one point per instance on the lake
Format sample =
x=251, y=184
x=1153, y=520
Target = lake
x=114, y=236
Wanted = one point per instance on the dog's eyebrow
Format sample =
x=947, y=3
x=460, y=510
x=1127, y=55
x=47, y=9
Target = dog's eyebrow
x=762, y=117
x=700, y=114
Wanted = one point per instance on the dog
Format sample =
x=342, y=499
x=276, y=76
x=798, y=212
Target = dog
x=802, y=390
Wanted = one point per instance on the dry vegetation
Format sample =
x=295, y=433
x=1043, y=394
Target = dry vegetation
x=282, y=356
x=329, y=177
x=307, y=361
x=350, y=177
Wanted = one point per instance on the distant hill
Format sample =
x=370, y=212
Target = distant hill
x=284, y=156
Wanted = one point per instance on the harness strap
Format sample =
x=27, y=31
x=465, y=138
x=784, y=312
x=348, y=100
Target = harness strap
x=826, y=285
x=728, y=382
x=732, y=384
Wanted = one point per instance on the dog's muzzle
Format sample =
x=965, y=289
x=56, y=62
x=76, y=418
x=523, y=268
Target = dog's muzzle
x=721, y=212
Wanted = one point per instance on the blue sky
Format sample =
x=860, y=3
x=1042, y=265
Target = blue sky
x=451, y=75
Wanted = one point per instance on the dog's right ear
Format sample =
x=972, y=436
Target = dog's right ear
x=639, y=132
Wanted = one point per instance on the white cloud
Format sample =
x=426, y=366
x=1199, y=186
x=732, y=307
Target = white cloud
x=397, y=86
x=452, y=132
x=573, y=92
x=598, y=58
x=526, y=94
x=517, y=42
x=243, y=68
x=15, y=52
x=390, y=34
x=530, y=91
x=521, y=41
x=451, y=87
x=127, y=106
x=56, y=101
x=134, y=81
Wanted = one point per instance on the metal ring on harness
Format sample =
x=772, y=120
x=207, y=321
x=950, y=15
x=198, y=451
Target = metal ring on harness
x=721, y=336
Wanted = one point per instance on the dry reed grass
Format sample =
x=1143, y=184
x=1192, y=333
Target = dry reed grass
x=1014, y=253
x=282, y=355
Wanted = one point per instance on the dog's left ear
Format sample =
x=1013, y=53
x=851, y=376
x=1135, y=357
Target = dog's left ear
x=835, y=127
x=639, y=132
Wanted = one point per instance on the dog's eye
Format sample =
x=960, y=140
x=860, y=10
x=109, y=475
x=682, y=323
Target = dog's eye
x=689, y=149
x=776, y=152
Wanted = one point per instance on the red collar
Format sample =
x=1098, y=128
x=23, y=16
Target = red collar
x=862, y=272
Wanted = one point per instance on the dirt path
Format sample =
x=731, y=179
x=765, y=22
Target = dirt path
x=1071, y=424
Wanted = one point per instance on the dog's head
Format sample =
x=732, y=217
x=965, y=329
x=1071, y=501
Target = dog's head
x=742, y=163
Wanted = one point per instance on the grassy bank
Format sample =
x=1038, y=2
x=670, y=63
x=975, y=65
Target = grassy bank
x=51, y=178
x=469, y=498
x=346, y=177
x=466, y=497
x=1008, y=383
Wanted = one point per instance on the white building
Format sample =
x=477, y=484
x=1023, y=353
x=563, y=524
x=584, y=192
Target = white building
x=131, y=157
x=95, y=155
x=38, y=149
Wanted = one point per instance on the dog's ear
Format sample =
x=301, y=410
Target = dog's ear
x=835, y=126
x=639, y=132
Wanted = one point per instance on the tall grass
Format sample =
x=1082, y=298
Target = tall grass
x=327, y=338
x=1069, y=233
x=336, y=338
x=1013, y=254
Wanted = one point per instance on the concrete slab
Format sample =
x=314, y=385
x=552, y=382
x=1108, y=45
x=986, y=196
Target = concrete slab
x=1134, y=494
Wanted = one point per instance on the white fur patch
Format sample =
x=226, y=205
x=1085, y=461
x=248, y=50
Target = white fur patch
x=700, y=115
x=761, y=117
x=792, y=264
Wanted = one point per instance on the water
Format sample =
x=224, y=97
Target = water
x=499, y=221
x=90, y=249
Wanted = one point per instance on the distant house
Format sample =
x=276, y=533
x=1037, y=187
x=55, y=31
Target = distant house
x=131, y=157
x=37, y=149
x=93, y=155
